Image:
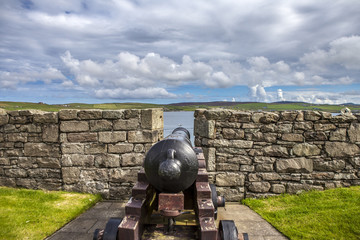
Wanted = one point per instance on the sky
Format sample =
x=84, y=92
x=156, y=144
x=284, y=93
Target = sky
x=102, y=51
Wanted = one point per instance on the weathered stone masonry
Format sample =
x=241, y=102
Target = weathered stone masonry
x=92, y=151
x=254, y=154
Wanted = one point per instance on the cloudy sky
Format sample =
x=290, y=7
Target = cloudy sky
x=156, y=51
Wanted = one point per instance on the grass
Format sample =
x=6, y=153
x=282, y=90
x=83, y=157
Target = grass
x=185, y=107
x=36, y=214
x=330, y=214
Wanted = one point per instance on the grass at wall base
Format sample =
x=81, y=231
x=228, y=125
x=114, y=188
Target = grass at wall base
x=330, y=214
x=36, y=214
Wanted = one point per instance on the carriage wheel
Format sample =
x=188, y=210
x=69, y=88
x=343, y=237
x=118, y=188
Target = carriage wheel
x=214, y=199
x=228, y=230
x=111, y=229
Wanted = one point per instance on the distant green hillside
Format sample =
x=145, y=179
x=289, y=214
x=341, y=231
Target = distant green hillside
x=254, y=106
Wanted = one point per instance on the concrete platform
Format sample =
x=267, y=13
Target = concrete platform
x=84, y=226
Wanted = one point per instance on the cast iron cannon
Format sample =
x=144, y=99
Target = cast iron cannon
x=172, y=197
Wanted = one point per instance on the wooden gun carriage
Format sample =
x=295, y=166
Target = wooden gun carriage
x=172, y=197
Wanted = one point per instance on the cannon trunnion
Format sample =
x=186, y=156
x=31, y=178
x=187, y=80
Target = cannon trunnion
x=172, y=197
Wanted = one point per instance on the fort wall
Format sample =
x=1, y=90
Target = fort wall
x=256, y=154
x=96, y=151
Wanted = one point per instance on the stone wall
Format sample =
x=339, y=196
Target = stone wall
x=92, y=151
x=255, y=154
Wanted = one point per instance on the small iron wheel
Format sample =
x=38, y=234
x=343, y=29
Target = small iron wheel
x=111, y=229
x=228, y=230
x=214, y=199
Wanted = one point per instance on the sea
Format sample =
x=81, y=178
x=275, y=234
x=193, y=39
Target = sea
x=184, y=119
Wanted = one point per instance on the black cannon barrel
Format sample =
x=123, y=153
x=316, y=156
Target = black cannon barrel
x=171, y=165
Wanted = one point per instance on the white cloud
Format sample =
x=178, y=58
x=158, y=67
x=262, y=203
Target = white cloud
x=344, y=51
x=280, y=95
x=139, y=93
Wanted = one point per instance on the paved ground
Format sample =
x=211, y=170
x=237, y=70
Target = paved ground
x=245, y=219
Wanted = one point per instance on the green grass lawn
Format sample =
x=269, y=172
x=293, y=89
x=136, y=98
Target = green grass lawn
x=330, y=214
x=36, y=214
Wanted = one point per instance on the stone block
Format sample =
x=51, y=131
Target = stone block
x=30, y=128
x=107, y=160
x=16, y=172
x=74, y=126
x=204, y=128
x=232, y=194
x=113, y=114
x=209, y=154
x=69, y=160
x=333, y=165
x=112, y=137
x=48, y=162
x=227, y=167
x=123, y=175
x=260, y=187
x=68, y=148
x=50, y=133
x=89, y=114
x=68, y=114
x=338, y=135
x=355, y=162
x=275, y=151
x=354, y=132
x=264, y=167
x=292, y=137
x=139, y=148
x=95, y=148
x=345, y=176
x=152, y=119
x=132, y=159
x=129, y=124
x=16, y=137
x=100, y=125
x=145, y=136
x=229, y=179
x=232, y=143
x=294, y=165
x=4, y=119
x=262, y=159
x=324, y=126
x=217, y=114
x=230, y=133
x=120, y=148
x=238, y=116
x=269, y=117
x=288, y=116
x=312, y=115
x=315, y=136
x=278, y=188
x=26, y=183
x=284, y=128
x=70, y=174
x=46, y=117
x=4, y=161
x=94, y=174
x=19, y=119
x=41, y=150
x=323, y=175
x=256, y=117
x=341, y=149
x=270, y=137
x=82, y=137
x=270, y=176
x=247, y=168
x=303, y=125
x=132, y=113
x=295, y=188
x=306, y=149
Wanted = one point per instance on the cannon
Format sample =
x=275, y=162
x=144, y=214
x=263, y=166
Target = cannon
x=172, y=197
